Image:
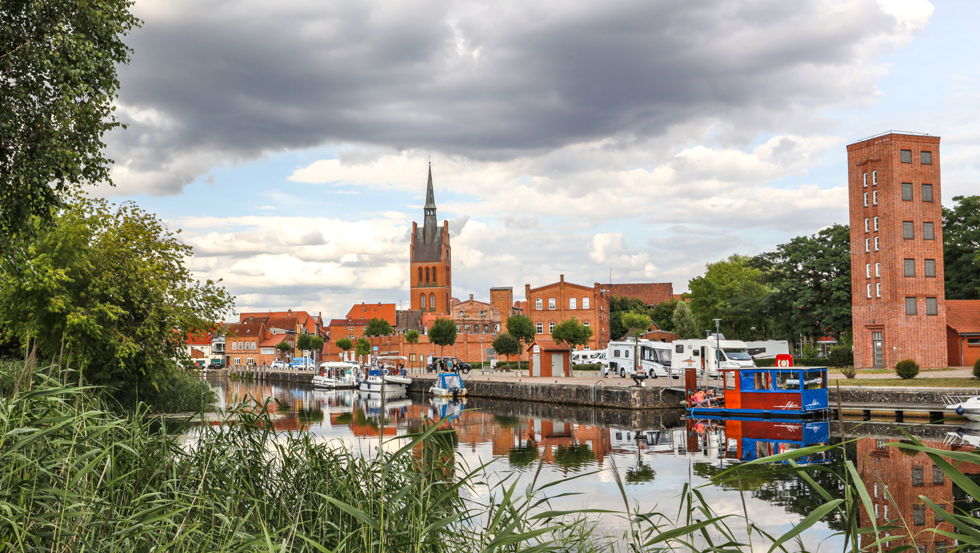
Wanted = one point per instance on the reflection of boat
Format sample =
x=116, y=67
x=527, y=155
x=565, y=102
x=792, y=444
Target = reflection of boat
x=335, y=400
x=337, y=374
x=445, y=408
x=968, y=434
x=747, y=439
x=781, y=392
x=448, y=385
x=965, y=406
x=370, y=402
x=377, y=377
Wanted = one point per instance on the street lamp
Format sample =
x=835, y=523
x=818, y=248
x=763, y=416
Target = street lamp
x=717, y=342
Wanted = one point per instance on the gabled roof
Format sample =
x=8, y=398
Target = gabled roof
x=386, y=311
x=203, y=339
x=274, y=340
x=650, y=293
x=963, y=316
x=547, y=345
x=244, y=330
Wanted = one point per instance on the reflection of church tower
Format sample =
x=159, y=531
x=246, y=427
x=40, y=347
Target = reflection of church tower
x=431, y=269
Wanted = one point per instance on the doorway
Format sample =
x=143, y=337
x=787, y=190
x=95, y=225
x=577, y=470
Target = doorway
x=878, y=349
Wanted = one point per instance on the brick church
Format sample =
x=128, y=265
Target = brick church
x=431, y=263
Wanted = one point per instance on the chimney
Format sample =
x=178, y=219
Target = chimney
x=562, y=278
x=471, y=297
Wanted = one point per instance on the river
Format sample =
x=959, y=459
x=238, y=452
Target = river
x=653, y=453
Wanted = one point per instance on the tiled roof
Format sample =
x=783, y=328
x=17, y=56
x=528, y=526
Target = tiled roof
x=651, y=293
x=963, y=316
x=547, y=345
x=241, y=330
x=199, y=339
x=274, y=340
x=386, y=311
x=348, y=322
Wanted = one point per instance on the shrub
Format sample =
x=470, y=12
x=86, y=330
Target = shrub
x=849, y=371
x=976, y=368
x=587, y=367
x=810, y=352
x=907, y=368
x=840, y=356
x=183, y=392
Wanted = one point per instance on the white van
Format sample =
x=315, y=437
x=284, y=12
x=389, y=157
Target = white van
x=709, y=355
x=654, y=358
x=768, y=349
x=582, y=357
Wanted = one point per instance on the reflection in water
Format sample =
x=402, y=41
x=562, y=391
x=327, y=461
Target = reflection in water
x=656, y=453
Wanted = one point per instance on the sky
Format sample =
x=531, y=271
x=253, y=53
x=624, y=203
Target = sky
x=628, y=140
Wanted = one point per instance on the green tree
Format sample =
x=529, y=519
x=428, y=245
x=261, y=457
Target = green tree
x=105, y=290
x=284, y=347
x=316, y=346
x=731, y=290
x=378, y=327
x=363, y=347
x=810, y=279
x=505, y=344
x=618, y=306
x=961, y=248
x=58, y=61
x=412, y=336
x=346, y=344
x=520, y=327
x=662, y=315
x=303, y=341
x=571, y=333
x=443, y=333
x=684, y=324
x=636, y=324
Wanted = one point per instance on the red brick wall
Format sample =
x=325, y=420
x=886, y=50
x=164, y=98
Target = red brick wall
x=597, y=315
x=921, y=337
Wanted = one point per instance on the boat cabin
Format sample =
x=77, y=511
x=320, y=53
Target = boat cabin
x=748, y=439
x=780, y=392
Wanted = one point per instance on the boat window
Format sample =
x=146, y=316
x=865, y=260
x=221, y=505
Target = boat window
x=814, y=380
x=760, y=381
x=787, y=380
x=736, y=354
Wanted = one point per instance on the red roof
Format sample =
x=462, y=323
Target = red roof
x=348, y=322
x=386, y=311
x=651, y=293
x=963, y=316
x=240, y=330
x=547, y=345
x=199, y=339
x=274, y=340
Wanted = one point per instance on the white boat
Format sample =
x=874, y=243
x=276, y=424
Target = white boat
x=336, y=375
x=376, y=378
x=446, y=408
x=448, y=385
x=964, y=406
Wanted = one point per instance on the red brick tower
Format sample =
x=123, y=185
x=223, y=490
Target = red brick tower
x=431, y=267
x=897, y=285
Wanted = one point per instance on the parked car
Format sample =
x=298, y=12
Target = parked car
x=278, y=366
x=451, y=363
x=302, y=363
x=215, y=365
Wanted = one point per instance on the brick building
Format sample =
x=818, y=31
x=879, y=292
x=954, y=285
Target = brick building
x=385, y=311
x=430, y=270
x=897, y=285
x=962, y=332
x=650, y=293
x=551, y=304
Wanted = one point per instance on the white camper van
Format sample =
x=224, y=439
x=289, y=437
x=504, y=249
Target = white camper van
x=582, y=357
x=709, y=355
x=768, y=349
x=654, y=358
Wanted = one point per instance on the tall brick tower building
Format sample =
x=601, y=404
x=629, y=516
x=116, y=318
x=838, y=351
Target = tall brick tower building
x=431, y=265
x=897, y=284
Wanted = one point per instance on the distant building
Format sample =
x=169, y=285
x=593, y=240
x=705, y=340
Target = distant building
x=650, y=293
x=962, y=332
x=384, y=311
x=897, y=284
x=430, y=269
x=549, y=305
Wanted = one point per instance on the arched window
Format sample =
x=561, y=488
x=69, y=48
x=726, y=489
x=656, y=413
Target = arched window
x=420, y=276
x=426, y=275
x=434, y=279
x=422, y=299
x=432, y=302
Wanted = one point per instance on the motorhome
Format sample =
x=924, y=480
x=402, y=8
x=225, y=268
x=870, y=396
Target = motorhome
x=768, y=349
x=654, y=358
x=582, y=357
x=709, y=355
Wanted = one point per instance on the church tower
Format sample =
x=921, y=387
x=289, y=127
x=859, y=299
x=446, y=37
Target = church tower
x=431, y=268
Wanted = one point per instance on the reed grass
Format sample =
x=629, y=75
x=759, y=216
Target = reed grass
x=76, y=476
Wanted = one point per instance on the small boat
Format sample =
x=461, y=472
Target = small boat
x=448, y=385
x=781, y=392
x=964, y=406
x=377, y=377
x=336, y=375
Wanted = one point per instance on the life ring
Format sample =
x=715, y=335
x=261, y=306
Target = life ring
x=386, y=372
x=783, y=363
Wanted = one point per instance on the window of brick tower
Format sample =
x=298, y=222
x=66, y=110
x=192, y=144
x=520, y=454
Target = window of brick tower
x=422, y=300
x=876, y=224
x=874, y=178
x=931, y=307
x=930, y=268
x=538, y=304
x=585, y=303
x=910, y=306
x=865, y=180
x=926, y=192
x=926, y=158
x=432, y=302
x=908, y=230
x=906, y=156
x=877, y=269
x=910, y=267
x=928, y=231
x=907, y=191
x=420, y=276
x=435, y=271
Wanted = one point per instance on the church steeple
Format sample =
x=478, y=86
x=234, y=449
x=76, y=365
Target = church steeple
x=430, y=225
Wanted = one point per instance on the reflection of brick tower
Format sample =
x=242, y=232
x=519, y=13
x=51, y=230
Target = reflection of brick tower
x=897, y=290
x=431, y=268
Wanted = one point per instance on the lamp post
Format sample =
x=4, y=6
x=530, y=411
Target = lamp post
x=717, y=343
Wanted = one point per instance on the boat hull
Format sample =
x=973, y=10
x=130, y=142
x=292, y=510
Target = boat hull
x=443, y=392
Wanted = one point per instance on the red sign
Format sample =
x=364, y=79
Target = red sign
x=784, y=360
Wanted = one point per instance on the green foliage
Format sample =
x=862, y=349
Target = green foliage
x=443, y=332
x=105, y=289
x=363, y=347
x=636, y=323
x=412, y=336
x=183, y=392
x=520, y=327
x=303, y=341
x=810, y=279
x=619, y=306
x=316, y=343
x=58, y=61
x=284, y=346
x=961, y=248
x=642, y=472
x=840, y=356
x=378, y=327
x=907, y=368
x=850, y=371
x=684, y=324
x=662, y=315
x=571, y=333
x=345, y=344
x=733, y=291
x=574, y=457
x=811, y=352
x=587, y=367
x=506, y=345
x=976, y=368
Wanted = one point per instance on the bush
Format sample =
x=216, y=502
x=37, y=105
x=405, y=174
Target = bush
x=976, y=368
x=907, y=368
x=810, y=352
x=184, y=392
x=840, y=356
x=849, y=371
x=587, y=367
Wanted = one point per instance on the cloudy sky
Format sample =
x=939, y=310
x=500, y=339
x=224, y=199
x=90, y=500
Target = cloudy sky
x=642, y=139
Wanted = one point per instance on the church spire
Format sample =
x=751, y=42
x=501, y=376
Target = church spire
x=430, y=224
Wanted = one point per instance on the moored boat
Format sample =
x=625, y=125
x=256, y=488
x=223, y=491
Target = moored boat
x=376, y=378
x=964, y=406
x=781, y=392
x=448, y=385
x=337, y=375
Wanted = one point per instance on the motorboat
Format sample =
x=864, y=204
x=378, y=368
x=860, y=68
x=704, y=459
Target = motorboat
x=376, y=378
x=964, y=406
x=781, y=392
x=444, y=408
x=336, y=375
x=448, y=385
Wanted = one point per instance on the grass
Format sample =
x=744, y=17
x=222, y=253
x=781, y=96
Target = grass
x=837, y=372
x=971, y=383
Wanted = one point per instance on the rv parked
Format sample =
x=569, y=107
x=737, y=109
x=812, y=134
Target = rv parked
x=709, y=355
x=768, y=349
x=654, y=358
x=582, y=357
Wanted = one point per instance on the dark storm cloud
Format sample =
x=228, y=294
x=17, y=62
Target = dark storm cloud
x=229, y=81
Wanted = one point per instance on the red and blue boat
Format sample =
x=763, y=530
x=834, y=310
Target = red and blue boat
x=767, y=393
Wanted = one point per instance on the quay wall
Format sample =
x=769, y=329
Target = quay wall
x=895, y=396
